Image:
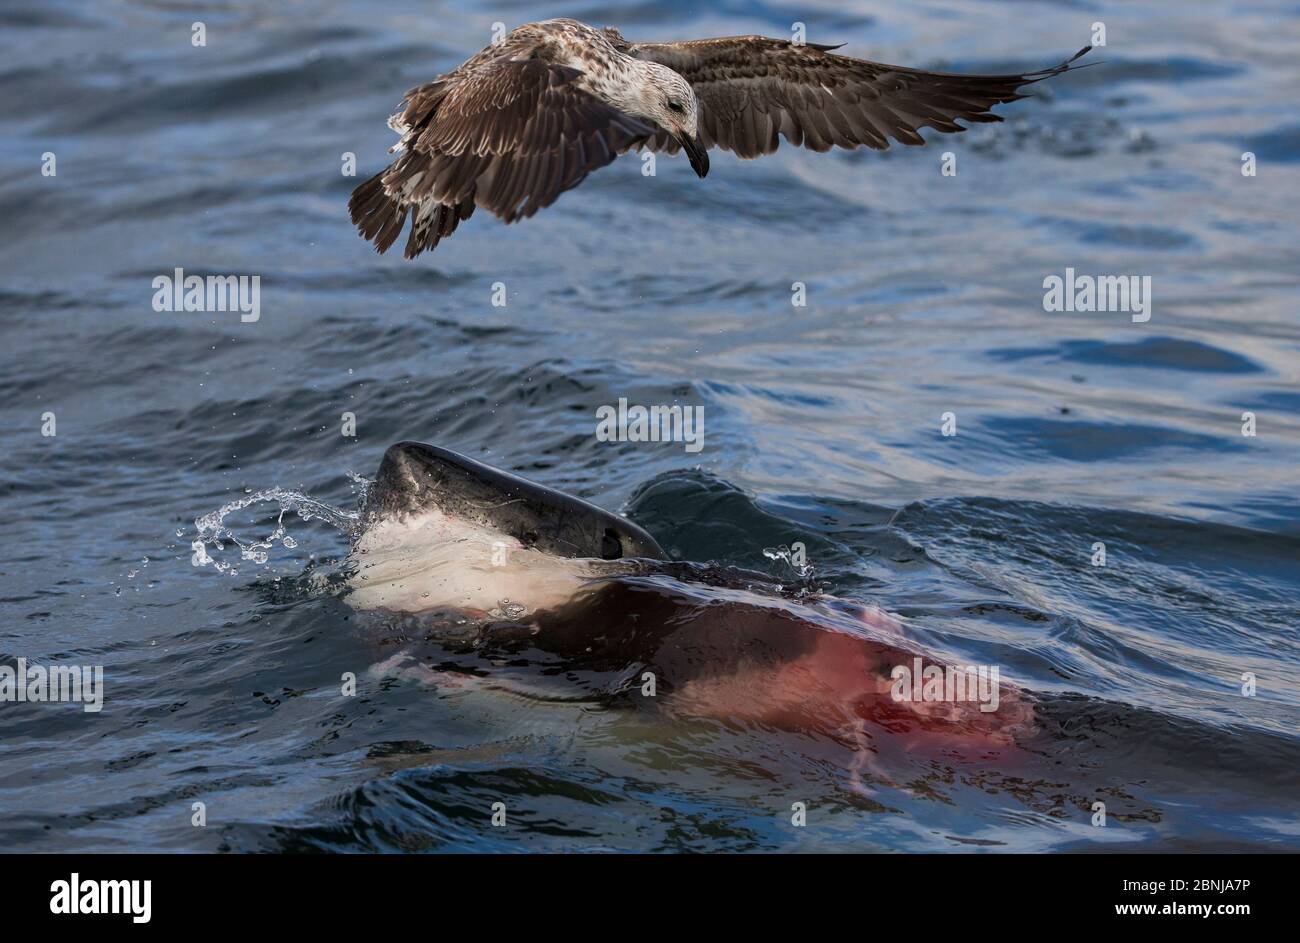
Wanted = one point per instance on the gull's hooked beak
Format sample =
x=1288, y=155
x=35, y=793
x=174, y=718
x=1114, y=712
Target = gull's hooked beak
x=696, y=151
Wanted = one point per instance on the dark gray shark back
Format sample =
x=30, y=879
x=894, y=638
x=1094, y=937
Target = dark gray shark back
x=414, y=477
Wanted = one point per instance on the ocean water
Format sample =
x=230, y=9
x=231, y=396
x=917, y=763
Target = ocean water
x=823, y=426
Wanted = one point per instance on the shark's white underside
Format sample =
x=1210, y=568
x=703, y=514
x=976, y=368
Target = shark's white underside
x=433, y=561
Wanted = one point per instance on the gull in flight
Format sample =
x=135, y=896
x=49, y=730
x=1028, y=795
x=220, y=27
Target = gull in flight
x=529, y=117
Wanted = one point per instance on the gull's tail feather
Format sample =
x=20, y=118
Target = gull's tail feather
x=377, y=215
x=380, y=216
x=433, y=221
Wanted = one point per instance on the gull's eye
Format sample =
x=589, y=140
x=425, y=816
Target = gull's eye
x=675, y=106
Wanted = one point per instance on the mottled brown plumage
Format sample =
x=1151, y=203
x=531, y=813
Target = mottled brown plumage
x=754, y=90
x=526, y=119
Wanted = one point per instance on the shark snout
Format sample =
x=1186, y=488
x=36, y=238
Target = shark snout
x=402, y=482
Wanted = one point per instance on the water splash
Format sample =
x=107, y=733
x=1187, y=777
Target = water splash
x=784, y=554
x=506, y=609
x=213, y=531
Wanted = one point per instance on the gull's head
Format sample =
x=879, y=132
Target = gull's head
x=668, y=100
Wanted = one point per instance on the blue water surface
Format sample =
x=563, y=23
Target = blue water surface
x=823, y=426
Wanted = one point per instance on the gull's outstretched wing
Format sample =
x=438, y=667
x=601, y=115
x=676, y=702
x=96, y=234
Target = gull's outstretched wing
x=509, y=135
x=753, y=89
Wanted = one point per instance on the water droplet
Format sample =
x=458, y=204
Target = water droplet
x=213, y=531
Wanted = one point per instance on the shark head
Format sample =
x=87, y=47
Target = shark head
x=446, y=531
x=416, y=479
